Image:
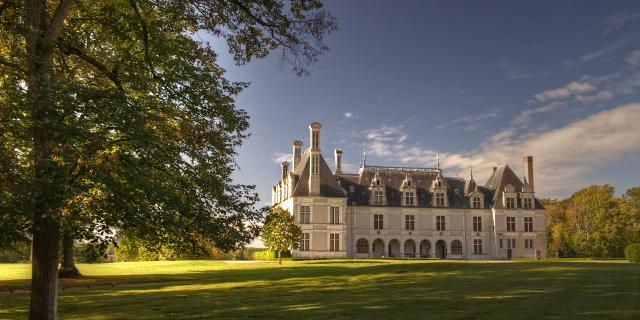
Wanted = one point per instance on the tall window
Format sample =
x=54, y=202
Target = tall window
x=362, y=246
x=334, y=242
x=409, y=222
x=477, y=224
x=305, y=214
x=440, y=199
x=316, y=139
x=456, y=247
x=377, y=197
x=511, y=223
x=477, y=246
x=334, y=215
x=511, y=203
x=315, y=164
x=511, y=243
x=528, y=243
x=501, y=243
x=528, y=224
x=408, y=198
x=476, y=202
x=304, y=242
x=440, y=223
x=378, y=220
x=528, y=203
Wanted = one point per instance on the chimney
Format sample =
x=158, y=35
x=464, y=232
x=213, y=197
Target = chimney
x=297, y=144
x=314, y=150
x=528, y=167
x=285, y=170
x=338, y=160
x=494, y=170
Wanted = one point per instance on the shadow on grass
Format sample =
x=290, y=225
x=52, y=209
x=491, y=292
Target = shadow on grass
x=341, y=290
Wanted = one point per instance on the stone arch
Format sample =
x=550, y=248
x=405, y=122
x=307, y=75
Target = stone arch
x=425, y=248
x=377, y=249
x=456, y=247
x=394, y=248
x=409, y=249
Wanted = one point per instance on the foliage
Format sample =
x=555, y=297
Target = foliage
x=268, y=255
x=593, y=223
x=632, y=252
x=18, y=251
x=280, y=233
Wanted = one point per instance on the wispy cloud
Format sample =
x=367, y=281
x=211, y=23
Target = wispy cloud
x=472, y=122
x=619, y=20
x=572, y=88
x=633, y=58
x=563, y=155
x=515, y=71
x=278, y=157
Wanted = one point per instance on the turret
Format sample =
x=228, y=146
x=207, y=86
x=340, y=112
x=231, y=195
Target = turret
x=297, y=144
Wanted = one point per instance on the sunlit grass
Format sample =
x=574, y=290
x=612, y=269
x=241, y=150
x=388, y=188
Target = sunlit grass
x=340, y=289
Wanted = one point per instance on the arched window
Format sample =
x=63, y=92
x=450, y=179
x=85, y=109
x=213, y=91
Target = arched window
x=456, y=247
x=362, y=246
x=476, y=202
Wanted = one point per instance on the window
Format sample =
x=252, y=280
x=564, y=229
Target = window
x=511, y=223
x=477, y=246
x=305, y=214
x=456, y=247
x=316, y=139
x=334, y=215
x=362, y=246
x=304, y=242
x=378, y=220
x=440, y=225
x=477, y=224
x=440, y=199
x=351, y=189
x=511, y=203
x=409, y=222
x=408, y=198
x=334, y=242
x=511, y=243
x=528, y=243
x=315, y=164
x=501, y=243
x=528, y=203
x=528, y=224
x=377, y=197
x=476, y=202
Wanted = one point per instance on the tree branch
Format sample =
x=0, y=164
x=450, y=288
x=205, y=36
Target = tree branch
x=11, y=64
x=67, y=48
x=55, y=27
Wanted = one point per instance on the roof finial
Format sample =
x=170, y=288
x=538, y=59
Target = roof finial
x=471, y=171
x=364, y=156
x=438, y=160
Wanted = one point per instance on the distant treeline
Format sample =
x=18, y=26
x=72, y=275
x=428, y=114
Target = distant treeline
x=593, y=223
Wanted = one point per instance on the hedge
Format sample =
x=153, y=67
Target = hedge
x=632, y=252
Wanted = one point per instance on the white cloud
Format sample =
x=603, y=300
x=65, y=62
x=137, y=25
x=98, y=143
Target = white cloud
x=619, y=20
x=279, y=157
x=633, y=58
x=348, y=115
x=573, y=88
x=562, y=156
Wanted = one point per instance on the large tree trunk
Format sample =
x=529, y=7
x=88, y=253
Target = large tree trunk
x=47, y=175
x=279, y=257
x=68, y=267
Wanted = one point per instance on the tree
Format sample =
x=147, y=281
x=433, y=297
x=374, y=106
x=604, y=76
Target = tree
x=113, y=114
x=279, y=232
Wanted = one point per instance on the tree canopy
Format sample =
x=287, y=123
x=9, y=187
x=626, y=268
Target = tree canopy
x=115, y=114
x=280, y=233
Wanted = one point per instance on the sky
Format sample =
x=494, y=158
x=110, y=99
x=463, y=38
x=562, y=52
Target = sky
x=479, y=83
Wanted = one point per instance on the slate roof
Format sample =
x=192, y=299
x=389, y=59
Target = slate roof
x=329, y=186
x=500, y=178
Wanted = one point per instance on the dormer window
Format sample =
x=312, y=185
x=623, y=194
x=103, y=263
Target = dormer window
x=409, y=198
x=527, y=203
x=439, y=199
x=378, y=198
x=511, y=203
x=408, y=192
x=377, y=191
x=509, y=197
x=476, y=202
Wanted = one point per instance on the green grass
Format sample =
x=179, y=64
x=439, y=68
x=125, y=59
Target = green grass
x=341, y=289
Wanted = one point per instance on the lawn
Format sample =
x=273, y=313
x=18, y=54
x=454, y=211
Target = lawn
x=340, y=289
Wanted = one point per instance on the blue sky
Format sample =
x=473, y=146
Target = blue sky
x=478, y=82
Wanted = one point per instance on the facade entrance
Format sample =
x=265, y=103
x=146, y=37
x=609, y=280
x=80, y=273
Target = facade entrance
x=394, y=248
x=409, y=249
x=441, y=249
x=378, y=248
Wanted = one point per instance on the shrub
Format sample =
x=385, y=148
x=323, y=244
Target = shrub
x=632, y=252
x=269, y=255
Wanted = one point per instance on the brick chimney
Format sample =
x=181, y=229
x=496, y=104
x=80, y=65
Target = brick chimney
x=338, y=160
x=314, y=165
x=528, y=167
x=285, y=170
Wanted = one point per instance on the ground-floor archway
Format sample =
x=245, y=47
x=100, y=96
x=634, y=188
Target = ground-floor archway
x=378, y=248
x=394, y=248
x=425, y=249
x=441, y=249
x=409, y=249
